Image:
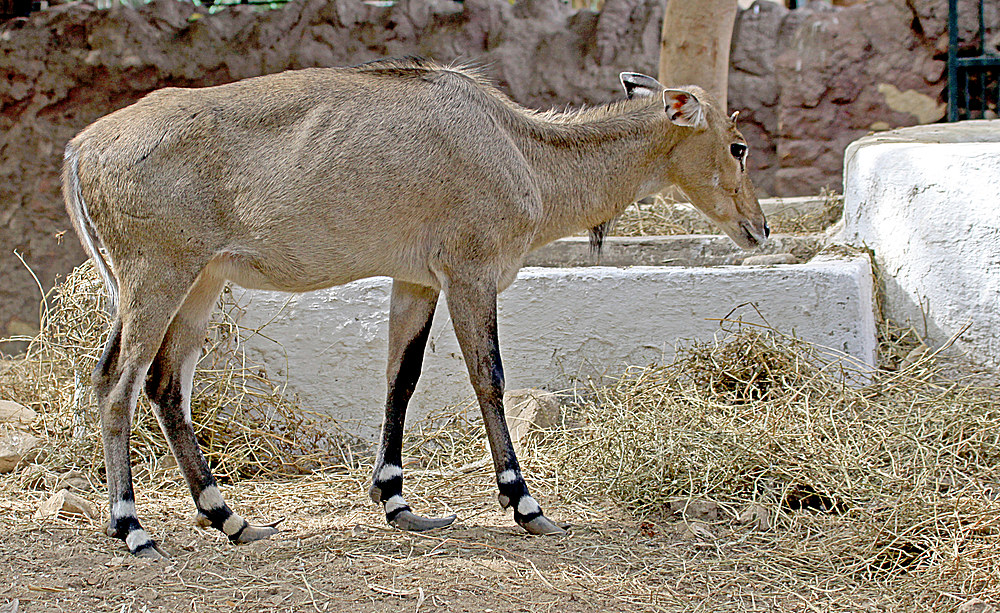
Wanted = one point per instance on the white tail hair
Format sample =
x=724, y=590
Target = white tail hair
x=77, y=208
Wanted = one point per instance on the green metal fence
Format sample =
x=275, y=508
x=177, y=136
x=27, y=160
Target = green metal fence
x=973, y=71
x=22, y=8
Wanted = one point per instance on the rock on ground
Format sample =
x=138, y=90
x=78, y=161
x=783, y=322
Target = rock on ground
x=755, y=515
x=529, y=409
x=64, y=503
x=17, y=447
x=706, y=510
x=976, y=605
x=16, y=414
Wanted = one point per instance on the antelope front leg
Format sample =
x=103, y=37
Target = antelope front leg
x=473, y=308
x=411, y=311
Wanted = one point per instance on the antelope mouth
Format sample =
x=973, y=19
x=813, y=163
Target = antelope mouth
x=751, y=239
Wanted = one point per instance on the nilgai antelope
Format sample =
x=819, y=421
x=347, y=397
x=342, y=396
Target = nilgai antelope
x=312, y=178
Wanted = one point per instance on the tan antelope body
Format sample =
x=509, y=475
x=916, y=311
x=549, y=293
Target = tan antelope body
x=317, y=177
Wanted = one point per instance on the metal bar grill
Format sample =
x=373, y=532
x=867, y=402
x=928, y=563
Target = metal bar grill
x=15, y=8
x=973, y=70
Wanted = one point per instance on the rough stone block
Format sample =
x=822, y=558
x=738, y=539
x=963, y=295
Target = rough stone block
x=705, y=510
x=66, y=504
x=976, y=605
x=558, y=327
x=530, y=409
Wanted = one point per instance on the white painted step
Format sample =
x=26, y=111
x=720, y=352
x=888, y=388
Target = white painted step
x=926, y=201
x=558, y=327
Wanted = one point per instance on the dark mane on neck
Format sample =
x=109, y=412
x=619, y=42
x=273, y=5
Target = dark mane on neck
x=422, y=68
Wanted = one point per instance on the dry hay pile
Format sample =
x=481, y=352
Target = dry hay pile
x=247, y=427
x=668, y=215
x=755, y=449
x=893, y=486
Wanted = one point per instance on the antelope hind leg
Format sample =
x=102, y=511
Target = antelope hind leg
x=117, y=407
x=169, y=387
x=135, y=336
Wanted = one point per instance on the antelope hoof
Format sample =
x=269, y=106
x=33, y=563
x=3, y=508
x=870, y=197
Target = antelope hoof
x=542, y=525
x=152, y=552
x=258, y=533
x=411, y=522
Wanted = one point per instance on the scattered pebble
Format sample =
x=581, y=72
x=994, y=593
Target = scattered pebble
x=66, y=504
x=976, y=605
x=695, y=530
x=16, y=414
x=528, y=409
x=756, y=515
x=73, y=480
x=705, y=510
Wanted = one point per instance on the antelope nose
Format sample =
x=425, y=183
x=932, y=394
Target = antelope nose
x=767, y=230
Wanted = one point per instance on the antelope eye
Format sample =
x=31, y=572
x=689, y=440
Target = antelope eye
x=738, y=150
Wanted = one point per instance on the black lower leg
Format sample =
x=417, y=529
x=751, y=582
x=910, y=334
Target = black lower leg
x=410, y=315
x=124, y=525
x=474, y=315
x=514, y=493
x=165, y=390
x=387, y=480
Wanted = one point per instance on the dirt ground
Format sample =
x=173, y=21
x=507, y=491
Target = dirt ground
x=336, y=554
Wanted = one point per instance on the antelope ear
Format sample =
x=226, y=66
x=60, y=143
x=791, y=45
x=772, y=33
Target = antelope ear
x=684, y=108
x=636, y=84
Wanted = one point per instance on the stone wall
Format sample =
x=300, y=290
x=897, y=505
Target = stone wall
x=806, y=81
x=561, y=328
x=814, y=79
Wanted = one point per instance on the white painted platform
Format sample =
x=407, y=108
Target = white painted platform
x=558, y=327
x=926, y=201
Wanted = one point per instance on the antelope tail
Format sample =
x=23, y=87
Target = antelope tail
x=77, y=209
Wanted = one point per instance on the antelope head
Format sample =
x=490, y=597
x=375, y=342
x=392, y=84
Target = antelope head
x=707, y=159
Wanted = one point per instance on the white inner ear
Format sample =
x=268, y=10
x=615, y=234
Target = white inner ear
x=639, y=85
x=689, y=113
x=642, y=92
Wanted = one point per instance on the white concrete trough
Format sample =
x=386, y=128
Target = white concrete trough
x=562, y=325
x=926, y=201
